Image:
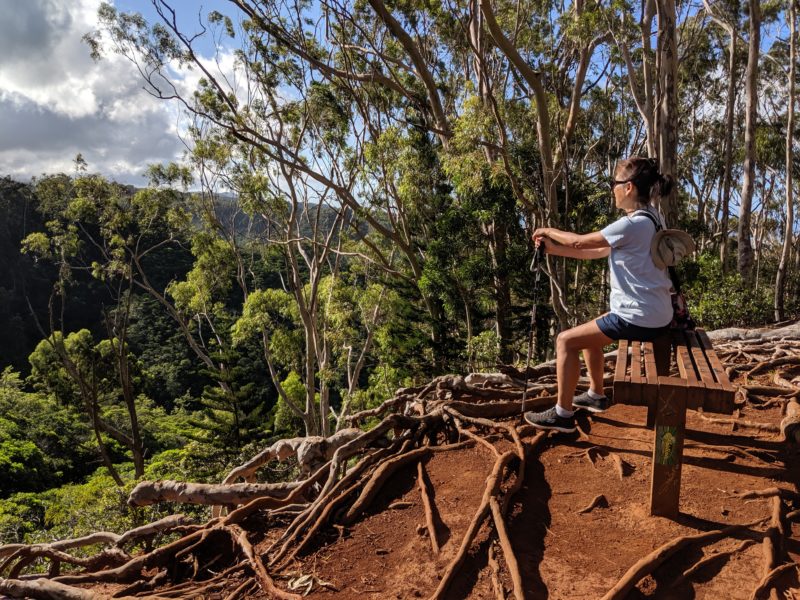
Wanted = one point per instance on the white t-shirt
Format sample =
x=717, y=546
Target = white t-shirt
x=640, y=292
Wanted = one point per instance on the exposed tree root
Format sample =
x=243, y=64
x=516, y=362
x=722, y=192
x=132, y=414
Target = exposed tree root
x=42, y=589
x=151, y=492
x=771, y=364
x=427, y=505
x=767, y=493
x=790, y=425
x=309, y=451
x=263, y=578
x=379, y=477
x=492, y=487
x=768, y=581
x=598, y=501
x=708, y=560
x=773, y=538
x=741, y=423
x=656, y=558
x=508, y=551
x=341, y=479
x=477, y=438
x=497, y=585
x=17, y=557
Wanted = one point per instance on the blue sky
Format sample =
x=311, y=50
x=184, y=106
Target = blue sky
x=56, y=102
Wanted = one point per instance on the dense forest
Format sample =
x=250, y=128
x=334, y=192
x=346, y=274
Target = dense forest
x=353, y=216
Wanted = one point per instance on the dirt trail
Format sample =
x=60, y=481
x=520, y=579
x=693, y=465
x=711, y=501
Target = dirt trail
x=515, y=513
x=564, y=554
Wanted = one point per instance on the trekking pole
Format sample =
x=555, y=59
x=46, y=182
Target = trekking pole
x=536, y=268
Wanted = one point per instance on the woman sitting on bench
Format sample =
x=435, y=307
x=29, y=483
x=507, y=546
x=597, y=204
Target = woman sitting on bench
x=640, y=302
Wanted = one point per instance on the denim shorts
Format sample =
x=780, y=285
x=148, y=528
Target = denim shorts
x=618, y=328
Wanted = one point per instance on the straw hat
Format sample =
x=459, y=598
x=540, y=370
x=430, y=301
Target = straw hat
x=670, y=246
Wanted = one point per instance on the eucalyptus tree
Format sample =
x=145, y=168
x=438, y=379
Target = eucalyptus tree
x=780, y=277
x=745, y=252
x=81, y=213
x=727, y=17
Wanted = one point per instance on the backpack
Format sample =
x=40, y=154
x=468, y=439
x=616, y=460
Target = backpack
x=681, y=319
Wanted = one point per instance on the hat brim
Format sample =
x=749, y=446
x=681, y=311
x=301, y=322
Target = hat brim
x=679, y=238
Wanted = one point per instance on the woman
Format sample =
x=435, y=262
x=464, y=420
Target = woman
x=641, y=307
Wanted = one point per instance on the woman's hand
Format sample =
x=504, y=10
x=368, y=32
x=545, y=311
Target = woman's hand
x=541, y=239
x=542, y=234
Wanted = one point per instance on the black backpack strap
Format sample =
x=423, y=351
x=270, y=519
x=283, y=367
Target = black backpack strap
x=676, y=281
x=650, y=216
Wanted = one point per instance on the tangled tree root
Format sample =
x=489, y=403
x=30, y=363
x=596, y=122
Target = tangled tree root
x=248, y=549
x=652, y=561
x=340, y=479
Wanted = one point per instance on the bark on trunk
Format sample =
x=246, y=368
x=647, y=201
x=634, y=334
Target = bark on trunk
x=728, y=167
x=780, y=279
x=745, y=258
x=667, y=115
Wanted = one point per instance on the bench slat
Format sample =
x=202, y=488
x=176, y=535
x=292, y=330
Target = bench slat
x=700, y=360
x=714, y=400
x=686, y=367
x=716, y=364
x=726, y=391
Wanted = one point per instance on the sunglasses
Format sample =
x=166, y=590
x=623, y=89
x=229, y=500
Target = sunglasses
x=615, y=182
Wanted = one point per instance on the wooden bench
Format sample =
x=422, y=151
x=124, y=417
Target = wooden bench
x=642, y=378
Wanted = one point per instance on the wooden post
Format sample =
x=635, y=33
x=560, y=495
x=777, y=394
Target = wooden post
x=670, y=427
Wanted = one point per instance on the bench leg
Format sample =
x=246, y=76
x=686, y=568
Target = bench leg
x=652, y=405
x=670, y=427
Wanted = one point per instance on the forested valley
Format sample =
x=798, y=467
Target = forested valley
x=353, y=216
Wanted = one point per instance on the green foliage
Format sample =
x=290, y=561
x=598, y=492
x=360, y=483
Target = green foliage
x=21, y=517
x=483, y=349
x=717, y=300
x=37, y=453
x=287, y=423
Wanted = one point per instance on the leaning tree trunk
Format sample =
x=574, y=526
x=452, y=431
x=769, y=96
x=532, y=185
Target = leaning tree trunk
x=543, y=129
x=745, y=262
x=730, y=105
x=667, y=114
x=645, y=26
x=780, y=279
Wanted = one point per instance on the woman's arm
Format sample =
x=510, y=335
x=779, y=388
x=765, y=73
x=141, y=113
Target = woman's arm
x=573, y=240
x=572, y=245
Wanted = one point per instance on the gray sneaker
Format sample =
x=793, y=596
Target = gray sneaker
x=586, y=402
x=549, y=419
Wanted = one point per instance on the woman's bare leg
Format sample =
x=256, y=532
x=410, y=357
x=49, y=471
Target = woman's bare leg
x=591, y=340
x=595, y=363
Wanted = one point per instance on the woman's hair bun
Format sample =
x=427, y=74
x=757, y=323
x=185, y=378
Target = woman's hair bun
x=665, y=184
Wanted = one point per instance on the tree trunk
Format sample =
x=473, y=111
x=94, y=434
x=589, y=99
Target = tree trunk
x=126, y=383
x=780, y=279
x=137, y=447
x=502, y=290
x=667, y=115
x=745, y=259
x=728, y=166
x=648, y=12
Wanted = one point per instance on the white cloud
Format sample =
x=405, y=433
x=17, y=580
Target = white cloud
x=55, y=101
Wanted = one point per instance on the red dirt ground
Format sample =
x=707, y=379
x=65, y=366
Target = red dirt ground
x=563, y=554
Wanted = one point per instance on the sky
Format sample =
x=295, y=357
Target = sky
x=56, y=102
